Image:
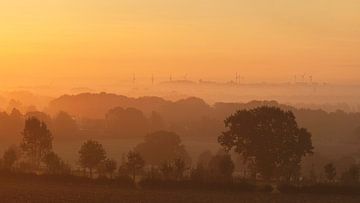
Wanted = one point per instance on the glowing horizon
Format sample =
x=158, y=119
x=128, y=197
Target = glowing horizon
x=260, y=40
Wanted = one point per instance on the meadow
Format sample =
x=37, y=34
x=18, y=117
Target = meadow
x=23, y=190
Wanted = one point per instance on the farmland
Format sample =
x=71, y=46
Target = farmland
x=16, y=190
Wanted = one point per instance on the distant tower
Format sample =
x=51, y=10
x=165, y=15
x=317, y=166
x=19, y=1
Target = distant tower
x=171, y=78
x=134, y=78
x=152, y=79
x=311, y=79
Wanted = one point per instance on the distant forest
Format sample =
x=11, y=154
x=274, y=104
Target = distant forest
x=335, y=135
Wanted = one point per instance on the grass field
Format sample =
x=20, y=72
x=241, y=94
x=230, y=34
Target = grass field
x=14, y=190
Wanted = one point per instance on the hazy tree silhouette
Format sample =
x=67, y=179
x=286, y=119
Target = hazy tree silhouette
x=11, y=125
x=37, y=140
x=162, y=146
x=173, y=169
x=270, y=137
x=352, y=175
x=204, y=159
x=179, y=168
x=134, y=164
x=55, y=165
x=128, y=122
x=330, y=172
x=64, y=125
x=91, y=153
x=11, y=155
x=43, y=117
x=201, y=171
x=221, y=167
x=167, y=168
x=108, y=166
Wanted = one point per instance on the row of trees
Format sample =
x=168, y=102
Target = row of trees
x=267, y=138
x=349, y=176
x=160, y=156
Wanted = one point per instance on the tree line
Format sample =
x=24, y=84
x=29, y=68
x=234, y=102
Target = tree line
x=268, y=139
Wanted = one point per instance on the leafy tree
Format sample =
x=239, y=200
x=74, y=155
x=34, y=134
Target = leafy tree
x=37, y=140
x=270, y=138
x=91, y=153
x=330, y=171
x=11, y=155
x=134, y=163
x=162, y=146
x=55, y=165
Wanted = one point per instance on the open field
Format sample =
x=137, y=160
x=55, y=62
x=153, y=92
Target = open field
x=14, y=190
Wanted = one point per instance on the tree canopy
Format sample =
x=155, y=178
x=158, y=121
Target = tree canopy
x=91, y=153
x=37, y=140
x=270, y=138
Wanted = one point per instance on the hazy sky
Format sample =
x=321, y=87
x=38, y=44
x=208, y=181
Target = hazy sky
x=260, y=39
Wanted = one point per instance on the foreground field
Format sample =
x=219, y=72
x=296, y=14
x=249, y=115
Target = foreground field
x=12, y=190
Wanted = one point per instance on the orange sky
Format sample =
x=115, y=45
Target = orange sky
x=263, y=40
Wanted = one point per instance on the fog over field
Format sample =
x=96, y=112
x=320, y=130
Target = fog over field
x=180, y=101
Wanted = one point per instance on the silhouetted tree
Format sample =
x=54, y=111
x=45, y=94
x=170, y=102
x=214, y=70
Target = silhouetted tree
x=37, y=140
x=167, y=169
x=128, y=122
x=201, y=171
x=55, y=165
x=330, y=172
x=11, y=125
x=270, y=137
x=352, y=175
x=162, y=146
x=173, y=169
x=107, y=166
x=221, y=167
x=134, y=163
x=91, y=153
x=41, y=116
x=65, y=125
x=179, y=168
x=10, y=156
